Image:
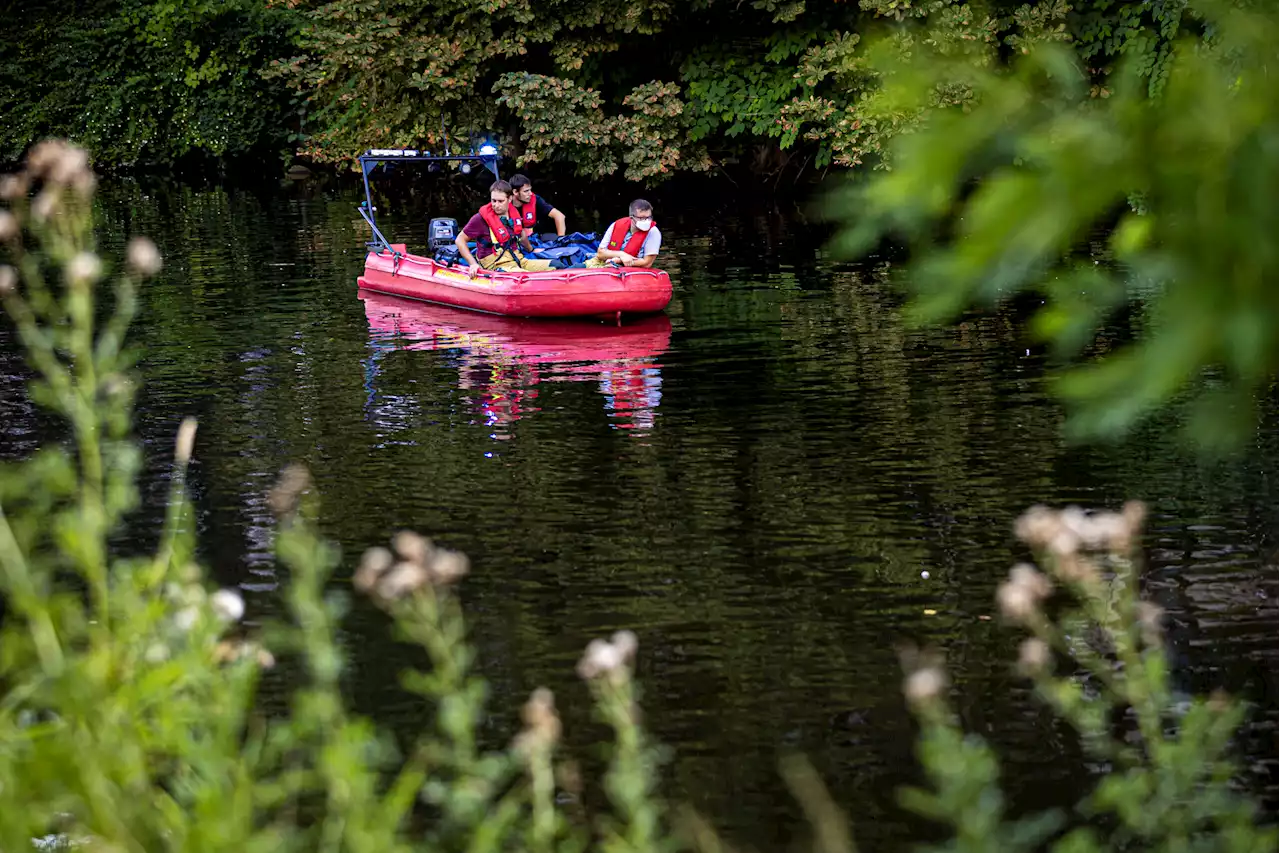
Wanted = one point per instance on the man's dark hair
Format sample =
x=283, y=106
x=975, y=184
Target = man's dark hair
x=500, y=187
x=519, y=181
x=639, y=206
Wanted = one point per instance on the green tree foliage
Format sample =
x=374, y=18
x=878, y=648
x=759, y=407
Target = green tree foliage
x=646, y=89
x=1144, y=33
x=408, y=72
x=563, y=122
x=847, y=114
x=649, y=90
x=1037, y=166
x=143, y=81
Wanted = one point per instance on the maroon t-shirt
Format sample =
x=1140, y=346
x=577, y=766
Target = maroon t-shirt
x=477, y=229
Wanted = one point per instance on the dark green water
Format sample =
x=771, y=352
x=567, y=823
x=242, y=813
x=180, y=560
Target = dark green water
x=754, y=484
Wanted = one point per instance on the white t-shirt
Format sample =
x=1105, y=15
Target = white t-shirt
x=652, y=241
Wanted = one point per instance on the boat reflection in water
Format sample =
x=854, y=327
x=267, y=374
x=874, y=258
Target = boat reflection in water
x=501, y=361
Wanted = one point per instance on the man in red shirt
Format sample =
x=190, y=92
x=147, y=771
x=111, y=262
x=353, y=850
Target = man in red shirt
x=499, y=237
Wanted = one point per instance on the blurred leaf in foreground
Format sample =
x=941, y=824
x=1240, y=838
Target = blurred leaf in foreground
x=1005, y=195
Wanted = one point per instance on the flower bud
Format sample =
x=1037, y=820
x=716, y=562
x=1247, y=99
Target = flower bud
x=1036, y=583
x=412, y=546
x=185, y=441
x=70, y=164
x=448, y=566
x=143, y=257
x=8, y=226
x=924, y=685
x=13, y=187
x=373, y=564
x=600, y=658
x=227, y=605
x=1037, y=526
x=403, y=578
x=1033, y=656
x=1017, y=603
x=626, y=644
x=44, y=155
x=542, y=723
x=287, y=492
x=84, y=268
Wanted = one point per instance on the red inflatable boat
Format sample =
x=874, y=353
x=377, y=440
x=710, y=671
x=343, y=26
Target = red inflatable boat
x=606, y=293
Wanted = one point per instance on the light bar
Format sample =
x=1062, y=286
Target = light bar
x=391, y=152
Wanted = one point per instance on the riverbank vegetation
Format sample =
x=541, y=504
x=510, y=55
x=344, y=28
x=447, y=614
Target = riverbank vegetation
x=128, y=718
x=771, y=89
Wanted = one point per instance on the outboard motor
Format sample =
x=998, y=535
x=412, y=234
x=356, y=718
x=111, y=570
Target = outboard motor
x=441, y=233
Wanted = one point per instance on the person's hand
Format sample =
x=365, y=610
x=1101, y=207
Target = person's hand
x=473, y=269
x=627, y=259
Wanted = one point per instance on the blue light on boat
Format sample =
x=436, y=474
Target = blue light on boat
x=488, y=150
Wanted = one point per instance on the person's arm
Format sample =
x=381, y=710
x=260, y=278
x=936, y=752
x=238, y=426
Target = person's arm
x=525, y=244
x=603, y=253
x=613, y=255
x=649, y=251
x=547, y=210
x=461, y=242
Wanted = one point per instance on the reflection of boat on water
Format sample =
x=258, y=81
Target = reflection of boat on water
x=533, y=341
x=503, y=359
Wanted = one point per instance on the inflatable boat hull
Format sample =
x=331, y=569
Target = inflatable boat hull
x=556, y=293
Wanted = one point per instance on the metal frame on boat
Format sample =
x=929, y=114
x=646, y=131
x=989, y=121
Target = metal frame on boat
x=487, y=156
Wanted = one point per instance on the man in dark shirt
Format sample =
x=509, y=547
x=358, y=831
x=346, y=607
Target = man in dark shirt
x=498, y=237
x=534, y=209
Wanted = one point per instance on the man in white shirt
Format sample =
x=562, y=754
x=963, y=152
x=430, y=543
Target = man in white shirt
x=633, y=241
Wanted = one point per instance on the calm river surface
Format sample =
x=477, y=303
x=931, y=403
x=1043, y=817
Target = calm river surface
x=756, y=484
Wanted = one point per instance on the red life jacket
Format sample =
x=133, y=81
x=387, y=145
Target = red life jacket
x=499, y=234
x=619, y=231
x=528, y=214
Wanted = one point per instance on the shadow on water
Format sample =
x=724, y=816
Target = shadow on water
x=755, y=483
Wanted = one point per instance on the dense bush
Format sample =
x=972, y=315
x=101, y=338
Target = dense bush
x=144, y=82
x=644, y=91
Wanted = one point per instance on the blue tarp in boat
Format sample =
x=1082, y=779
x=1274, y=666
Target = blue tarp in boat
x=571, y=250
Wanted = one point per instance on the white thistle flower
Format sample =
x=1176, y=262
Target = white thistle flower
x=143, y=257
x=227, y=605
